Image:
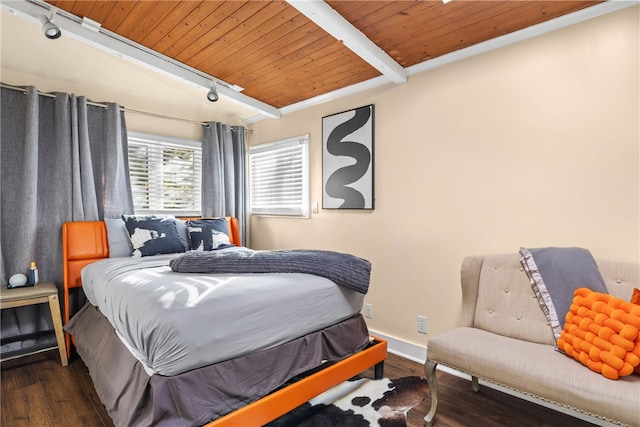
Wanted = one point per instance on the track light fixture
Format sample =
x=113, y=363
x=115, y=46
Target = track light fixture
x=212, y=95
x=51, y=30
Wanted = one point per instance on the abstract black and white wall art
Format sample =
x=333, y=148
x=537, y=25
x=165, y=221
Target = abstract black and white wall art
x=347, y=159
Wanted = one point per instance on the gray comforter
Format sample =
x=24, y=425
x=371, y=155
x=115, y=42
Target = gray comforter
x=343, y=269
x=174, y=322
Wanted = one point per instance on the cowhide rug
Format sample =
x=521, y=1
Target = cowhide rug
x=360, y=403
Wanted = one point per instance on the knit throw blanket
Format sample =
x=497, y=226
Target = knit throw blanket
x=343, y=269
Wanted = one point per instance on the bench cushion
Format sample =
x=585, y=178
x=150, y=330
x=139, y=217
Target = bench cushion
x=538, y=370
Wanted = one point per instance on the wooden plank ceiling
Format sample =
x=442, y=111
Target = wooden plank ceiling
x=280, y=57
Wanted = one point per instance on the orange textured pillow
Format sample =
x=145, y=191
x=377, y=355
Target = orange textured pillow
x=635, y=299
x=601, y=332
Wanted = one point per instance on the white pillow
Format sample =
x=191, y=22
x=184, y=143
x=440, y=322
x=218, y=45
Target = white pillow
x=119, y=241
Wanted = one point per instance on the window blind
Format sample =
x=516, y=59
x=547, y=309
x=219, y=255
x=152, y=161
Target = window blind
x=165, y=174
x=279, y=182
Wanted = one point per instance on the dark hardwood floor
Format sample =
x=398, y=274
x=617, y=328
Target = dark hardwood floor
x=38, y=391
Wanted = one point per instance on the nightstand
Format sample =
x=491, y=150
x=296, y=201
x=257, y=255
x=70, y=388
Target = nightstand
x=38, y=294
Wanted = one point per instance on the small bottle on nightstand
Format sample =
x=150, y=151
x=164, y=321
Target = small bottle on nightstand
x=33, y=273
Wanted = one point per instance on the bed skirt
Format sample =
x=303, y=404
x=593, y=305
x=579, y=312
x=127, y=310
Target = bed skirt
x=194, y=398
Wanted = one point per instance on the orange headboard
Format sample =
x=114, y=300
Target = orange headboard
x=82, y=244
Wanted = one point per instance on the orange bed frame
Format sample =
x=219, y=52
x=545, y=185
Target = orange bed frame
x=86, y=242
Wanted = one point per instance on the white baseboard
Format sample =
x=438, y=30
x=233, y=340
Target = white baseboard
x=418, y=354
x=403, y=348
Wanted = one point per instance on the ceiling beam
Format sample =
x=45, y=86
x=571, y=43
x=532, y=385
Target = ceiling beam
x=545, y=27
x=108, y=41
x=335, y=24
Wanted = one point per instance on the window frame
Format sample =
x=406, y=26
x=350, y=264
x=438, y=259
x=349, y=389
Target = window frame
x=302, y=210
x=170, y=141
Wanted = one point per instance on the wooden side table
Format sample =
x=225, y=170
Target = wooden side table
x=38, y=294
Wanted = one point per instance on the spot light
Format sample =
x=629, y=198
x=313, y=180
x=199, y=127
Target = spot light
x=212, y=95
x=50, y=30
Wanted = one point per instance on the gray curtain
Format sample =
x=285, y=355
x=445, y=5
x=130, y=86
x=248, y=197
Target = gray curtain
x=223, y=173
x=61, y=159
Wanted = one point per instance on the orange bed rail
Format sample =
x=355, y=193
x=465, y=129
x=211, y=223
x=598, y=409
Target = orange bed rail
x=290, y=397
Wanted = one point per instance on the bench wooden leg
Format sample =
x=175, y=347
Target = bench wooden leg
x=430, y=372
x=54, y=305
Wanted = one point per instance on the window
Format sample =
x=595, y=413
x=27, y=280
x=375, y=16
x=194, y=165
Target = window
x=166, y=174
x=279, y=178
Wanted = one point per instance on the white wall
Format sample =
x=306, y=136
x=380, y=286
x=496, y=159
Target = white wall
x=534, y=144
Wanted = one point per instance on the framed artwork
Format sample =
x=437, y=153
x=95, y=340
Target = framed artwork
x=347, y=159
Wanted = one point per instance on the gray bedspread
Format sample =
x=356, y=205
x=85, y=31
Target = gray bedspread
x=175, y=322
x=343, y=269
x=193, y=398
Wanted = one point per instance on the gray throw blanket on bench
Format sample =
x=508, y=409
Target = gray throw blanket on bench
x=555, y=274
x=343, y=269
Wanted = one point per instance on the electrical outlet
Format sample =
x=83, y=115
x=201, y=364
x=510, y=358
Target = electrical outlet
x=422, y=324
x=368, y=311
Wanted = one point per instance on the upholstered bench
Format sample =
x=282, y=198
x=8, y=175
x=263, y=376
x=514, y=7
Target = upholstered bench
x=504, y=338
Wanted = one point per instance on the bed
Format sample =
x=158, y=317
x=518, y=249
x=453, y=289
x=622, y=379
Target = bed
x=249, y=379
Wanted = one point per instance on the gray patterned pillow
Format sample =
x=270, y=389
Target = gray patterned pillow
x=151, y=235
x=209, y=234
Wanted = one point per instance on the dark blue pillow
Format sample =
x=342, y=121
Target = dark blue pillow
x=151, y=235
x=208, y=234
